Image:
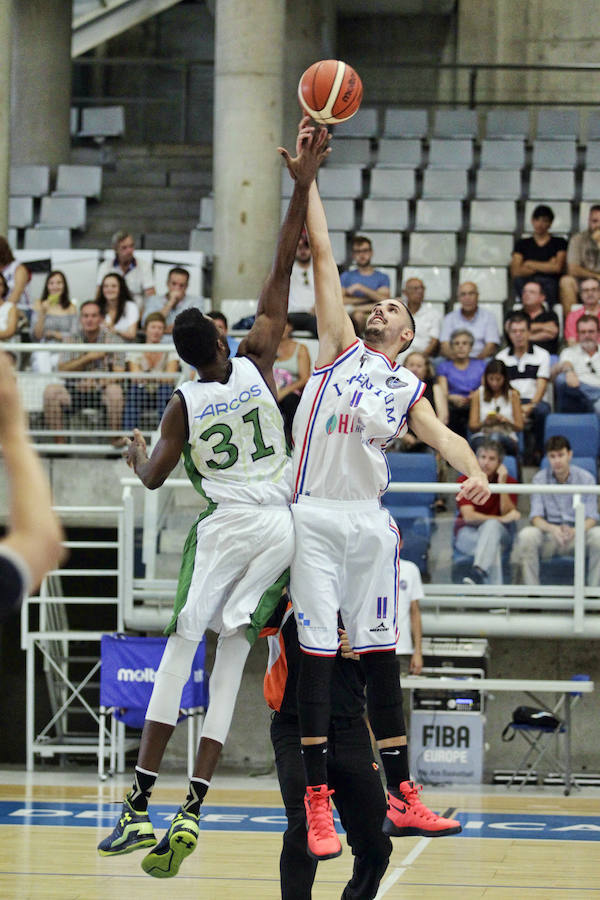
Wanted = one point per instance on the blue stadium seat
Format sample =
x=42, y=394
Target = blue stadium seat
x=581, y=429
x=413, y=511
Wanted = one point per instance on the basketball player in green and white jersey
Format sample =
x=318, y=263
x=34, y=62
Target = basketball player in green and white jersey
x=229, y=428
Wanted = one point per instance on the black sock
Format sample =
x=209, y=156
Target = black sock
x=395, y=765
x=195, y=795
x=143, y=782
x=314, y=757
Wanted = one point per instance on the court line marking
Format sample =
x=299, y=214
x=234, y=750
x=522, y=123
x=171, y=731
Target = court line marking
x=400, y=870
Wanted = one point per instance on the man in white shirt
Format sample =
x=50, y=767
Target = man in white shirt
x=577, y=372
x=428, y=321
x=136, y=272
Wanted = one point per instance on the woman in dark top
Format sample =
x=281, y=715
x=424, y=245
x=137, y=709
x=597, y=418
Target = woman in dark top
x=542, y=256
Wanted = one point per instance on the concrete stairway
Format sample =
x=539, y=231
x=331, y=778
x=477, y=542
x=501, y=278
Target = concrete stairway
x=153, y=191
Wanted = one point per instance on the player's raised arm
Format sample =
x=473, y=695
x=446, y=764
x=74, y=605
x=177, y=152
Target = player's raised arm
x=334, y=327
x=271, y=315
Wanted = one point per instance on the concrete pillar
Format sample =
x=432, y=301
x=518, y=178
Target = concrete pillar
x=247, y=130
x=41, y=82
x=5, y=48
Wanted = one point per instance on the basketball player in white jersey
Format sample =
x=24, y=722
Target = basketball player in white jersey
x=346, y=559
x=229, y=428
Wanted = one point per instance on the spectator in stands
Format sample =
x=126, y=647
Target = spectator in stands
x=17, y=277
x=484, y=531
x=147, y=396
x=458, y=377
x=120, y=314
x=541, y=256
x=577, y=373
x=421, y=366
x=8, y=313
x=590, y=297
x=427, y=320
x=222, y=326
x=363, y=285
x=54, y=314
x=480, y=322
x=528, y=369
x=136, y=272
x=301, y=298
x=291, y=372
x=495, y=412
x=544, y=326
x=583, y=259
x=552, y=517
x=175, y=300
x=82, y=393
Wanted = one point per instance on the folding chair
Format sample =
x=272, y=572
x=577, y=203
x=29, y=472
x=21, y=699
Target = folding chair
x=127, y=671
x=538, y=738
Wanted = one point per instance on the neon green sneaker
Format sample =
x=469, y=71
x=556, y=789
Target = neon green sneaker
x=133, y=831
x=179, y=841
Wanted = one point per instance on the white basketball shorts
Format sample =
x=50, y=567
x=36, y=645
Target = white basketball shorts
x=346, y=559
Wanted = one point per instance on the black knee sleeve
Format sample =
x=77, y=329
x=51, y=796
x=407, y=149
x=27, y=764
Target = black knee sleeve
x=384, y=695
x=314, y=694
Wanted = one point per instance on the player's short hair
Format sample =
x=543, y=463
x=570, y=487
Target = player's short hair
x=557, y=442
x=495, y=447
x=543, y=212
x=155, y=317
x=195, y=337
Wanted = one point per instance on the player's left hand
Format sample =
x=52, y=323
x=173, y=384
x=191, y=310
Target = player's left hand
x=476, y=489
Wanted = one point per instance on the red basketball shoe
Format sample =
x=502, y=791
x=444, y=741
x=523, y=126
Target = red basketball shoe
x=322, y=840
x=406, y=815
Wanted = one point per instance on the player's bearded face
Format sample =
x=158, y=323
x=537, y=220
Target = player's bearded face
x=388, y=324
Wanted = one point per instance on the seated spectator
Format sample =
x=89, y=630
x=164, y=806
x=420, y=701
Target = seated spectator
x=17, y=277
x=543, y=322
x=291, y=372
x=119, y=312
x=483, y=531
x=136, y=272
x=541, y=256
x=148, y=396
x=552, y=517
x=54, y=317
x=422, y=367
x=480, y=322
x=8, y=313
x=428, y=320
x=222, y=326
x=577, y=373
x=528, y=369
x=495, y=411
x=175, y=300
x=363, y=285
x=82, y=393
x=590, y=297
x=458, y=378
x=301, y=298
x=583, y=259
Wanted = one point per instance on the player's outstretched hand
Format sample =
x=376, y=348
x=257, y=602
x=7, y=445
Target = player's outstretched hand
x=136, y=449
x=312, y=147
x=476, y=489
x=11, y=413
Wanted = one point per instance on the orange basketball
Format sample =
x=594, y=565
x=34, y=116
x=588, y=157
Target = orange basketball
x=330, y=91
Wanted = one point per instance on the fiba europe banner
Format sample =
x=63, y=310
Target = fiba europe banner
x=446, y=747
x=128, y=670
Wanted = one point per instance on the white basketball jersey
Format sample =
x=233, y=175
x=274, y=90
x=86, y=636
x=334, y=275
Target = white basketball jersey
x=236, y=451
x=349, y=411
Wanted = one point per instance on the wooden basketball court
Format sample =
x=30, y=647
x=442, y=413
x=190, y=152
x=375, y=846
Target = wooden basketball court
x=514, y=844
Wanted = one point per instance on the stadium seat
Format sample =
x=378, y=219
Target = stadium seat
x=498, y=184
x=593, y=126
x=554, y=154
x=432, y=248
x=592, y=155
x=491, y=281
x=207, y=208
x=392, y=184
x=462, y=563
x=445, y=183
x=438, y=215
x=558, y=124
x=234, y=310
x=412, y=511
x=582, y=430
x=484, y=249
x=497, y=154
x=41, y=238
x=363, y=124
x=80, y=268
x=202, y=239
x=387, y=247
x=20, y=212
x=562, y=216
x=507, y=123
x=455, y=123
x=448, y=154
x=102, y=121
x=394, y=153
x=584, y=211
x=405, y=123
x=338, y=246
x=340, y=214
x=590, y=189
x=11, y=237
x=549, y=184
x=342, y=183
x=73, y=121
x=79, y=181
x=385, y=215
x=29, y=181
x=436, y=279
x=350, y=152
x=392, y=274
x=493, y=215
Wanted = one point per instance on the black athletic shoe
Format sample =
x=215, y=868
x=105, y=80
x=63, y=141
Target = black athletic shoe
x=179, y=841
x=133, y=831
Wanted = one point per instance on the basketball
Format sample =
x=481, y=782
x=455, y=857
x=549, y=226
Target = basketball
x=330, y=91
